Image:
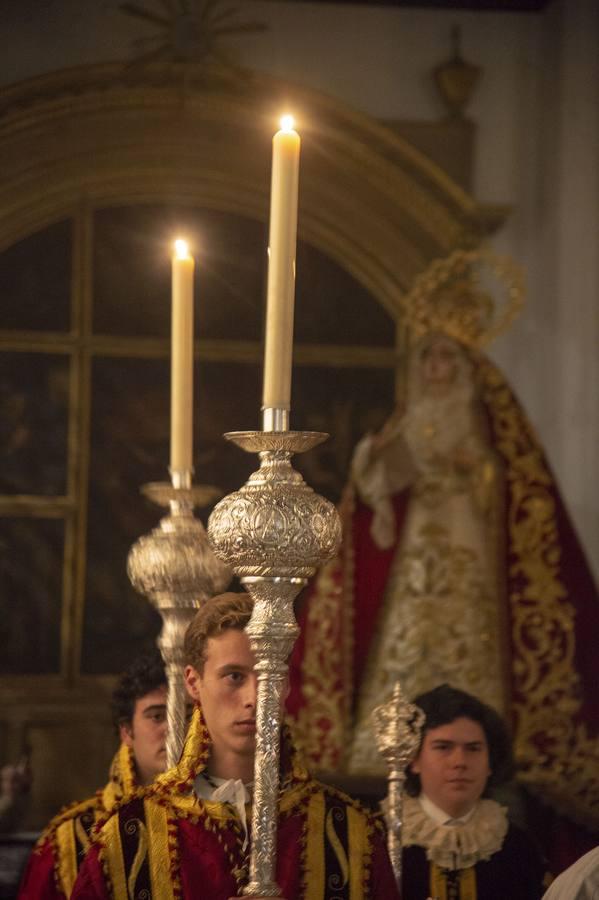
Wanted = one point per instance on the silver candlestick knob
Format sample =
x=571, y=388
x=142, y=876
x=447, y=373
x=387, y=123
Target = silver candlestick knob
x=397, y=728
x=176, y=569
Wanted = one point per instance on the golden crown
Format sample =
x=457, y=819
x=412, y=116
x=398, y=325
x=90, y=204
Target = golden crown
x=456, y=295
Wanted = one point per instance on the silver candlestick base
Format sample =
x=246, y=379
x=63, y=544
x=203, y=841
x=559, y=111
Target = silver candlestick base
x=397, y=728
x=176, y=569
x=274, y=533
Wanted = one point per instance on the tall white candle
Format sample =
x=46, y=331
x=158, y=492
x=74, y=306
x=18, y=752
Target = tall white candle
x=280, y=295
x=182, y=359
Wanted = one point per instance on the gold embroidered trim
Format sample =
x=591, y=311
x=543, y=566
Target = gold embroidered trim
x=136, y=826
x=359, y=849
x=314, y=870
x=323, y=722
x=557, y=757
x=159, y=856
x=438, y=884
x=194, y=757
x=81, y=834
x=111, y=855
x=66, y=856
x=65, y=817
x=67, y=814
x=122, y=778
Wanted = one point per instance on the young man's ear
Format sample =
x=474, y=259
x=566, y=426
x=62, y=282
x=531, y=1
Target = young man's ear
x=126, y=733
x=192, y=682
x=415, y=765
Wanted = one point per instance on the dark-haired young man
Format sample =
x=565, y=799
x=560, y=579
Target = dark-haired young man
x=139, y=715
x=188, y=835
x=457, y=844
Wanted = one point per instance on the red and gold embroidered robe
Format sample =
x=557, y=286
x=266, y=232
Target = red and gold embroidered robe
x=169, y=845
x=52, y=868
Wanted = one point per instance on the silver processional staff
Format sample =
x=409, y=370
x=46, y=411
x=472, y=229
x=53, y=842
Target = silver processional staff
x=397, y=727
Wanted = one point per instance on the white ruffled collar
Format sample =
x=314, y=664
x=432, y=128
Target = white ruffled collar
x=457, y=846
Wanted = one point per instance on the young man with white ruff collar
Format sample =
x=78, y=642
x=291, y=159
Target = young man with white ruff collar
x=188, y=835
x=459, y=845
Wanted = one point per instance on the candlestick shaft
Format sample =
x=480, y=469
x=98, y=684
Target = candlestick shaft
x=175, y=621
x=281, y=270
x=272, y=630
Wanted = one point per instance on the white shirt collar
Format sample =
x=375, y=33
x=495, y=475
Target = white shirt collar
x=439, y=816
x=225, y=790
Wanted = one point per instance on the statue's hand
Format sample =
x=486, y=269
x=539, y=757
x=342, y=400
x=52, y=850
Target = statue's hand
x=388, y=432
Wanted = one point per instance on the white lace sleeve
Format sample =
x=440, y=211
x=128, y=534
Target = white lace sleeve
x=370, y=478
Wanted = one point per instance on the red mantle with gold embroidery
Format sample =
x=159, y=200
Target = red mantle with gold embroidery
x=167, y=844
x=53, y=865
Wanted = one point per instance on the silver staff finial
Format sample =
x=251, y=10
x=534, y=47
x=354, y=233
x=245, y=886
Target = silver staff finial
x=397, y=727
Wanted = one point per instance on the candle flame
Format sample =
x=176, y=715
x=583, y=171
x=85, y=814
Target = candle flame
x=181, y=249
x=287, y=123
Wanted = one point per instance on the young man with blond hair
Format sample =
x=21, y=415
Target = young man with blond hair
x=188, y=835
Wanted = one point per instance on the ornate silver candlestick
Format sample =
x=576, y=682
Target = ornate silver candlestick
x=176, y=569
x=397, y=727
x=274, y=532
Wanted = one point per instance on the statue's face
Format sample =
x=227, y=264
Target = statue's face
x=439, y=360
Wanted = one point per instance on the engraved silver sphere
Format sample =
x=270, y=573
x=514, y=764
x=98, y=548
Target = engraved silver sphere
x=176, y=558
x=275, y=524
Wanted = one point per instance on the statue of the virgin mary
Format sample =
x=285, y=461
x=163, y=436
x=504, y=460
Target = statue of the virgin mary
x=439, y=614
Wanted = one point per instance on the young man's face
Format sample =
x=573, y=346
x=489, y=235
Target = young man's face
x=146, y=734
x=453, y=764
x=226, y=690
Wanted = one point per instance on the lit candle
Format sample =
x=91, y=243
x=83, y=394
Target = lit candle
x=280, y=293
x=182, y=359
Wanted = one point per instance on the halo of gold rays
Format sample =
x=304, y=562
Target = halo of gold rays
x=472, y=295
x=186, y=31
